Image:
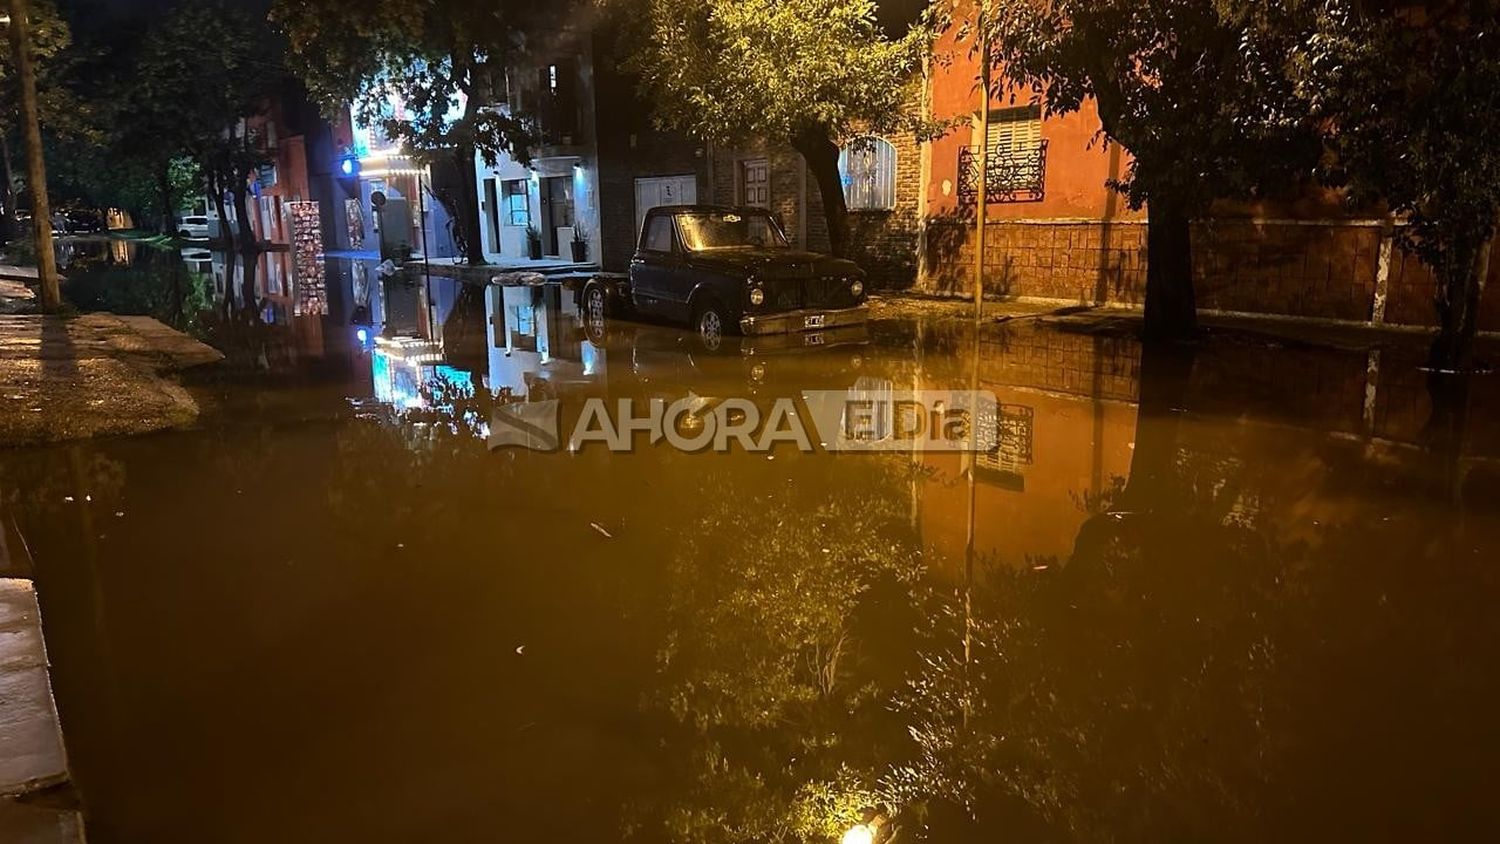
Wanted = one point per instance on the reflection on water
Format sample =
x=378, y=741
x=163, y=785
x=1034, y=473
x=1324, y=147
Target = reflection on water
x=1239, y=594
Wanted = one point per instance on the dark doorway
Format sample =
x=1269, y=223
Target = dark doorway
x=492, y=205
x=557, y=211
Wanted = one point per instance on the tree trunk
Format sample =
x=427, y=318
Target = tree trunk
x=216, y=190
x=9, y=194
x=248, y=287
x=1446, y=431
x=1460, y=279
x=1153, y=484
x=36, y=166
x=168, y=220
x=1171, y=310
x=822, y=157
x=246, y=239
x=467, y=232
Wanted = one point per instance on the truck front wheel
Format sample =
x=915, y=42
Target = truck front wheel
x=711, y=322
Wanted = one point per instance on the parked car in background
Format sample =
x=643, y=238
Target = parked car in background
x=83, y=221
x=722, y=269
x=193, y=227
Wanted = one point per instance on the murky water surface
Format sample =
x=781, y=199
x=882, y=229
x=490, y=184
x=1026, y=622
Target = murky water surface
x=1246, y=594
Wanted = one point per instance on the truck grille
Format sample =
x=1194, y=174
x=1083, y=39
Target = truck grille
x=788, y=294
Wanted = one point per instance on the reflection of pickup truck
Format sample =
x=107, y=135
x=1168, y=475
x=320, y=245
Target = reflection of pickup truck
x=721, y=269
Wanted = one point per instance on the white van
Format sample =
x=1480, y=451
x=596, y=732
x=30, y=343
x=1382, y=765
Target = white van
x=193, y=227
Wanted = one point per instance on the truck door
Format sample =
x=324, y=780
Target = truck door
x=656, y=266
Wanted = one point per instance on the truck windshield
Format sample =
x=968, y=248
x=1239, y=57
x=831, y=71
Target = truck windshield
x=729, y=230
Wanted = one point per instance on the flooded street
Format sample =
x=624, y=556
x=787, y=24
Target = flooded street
x=1243, y=592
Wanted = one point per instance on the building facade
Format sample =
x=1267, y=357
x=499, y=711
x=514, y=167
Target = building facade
x=539, y=209
x=599, y=164
x=1055, y=230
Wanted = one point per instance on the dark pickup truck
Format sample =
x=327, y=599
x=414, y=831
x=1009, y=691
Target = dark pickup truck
x=722, y=269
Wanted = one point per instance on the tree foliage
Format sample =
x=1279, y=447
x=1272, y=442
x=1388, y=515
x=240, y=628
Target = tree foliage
x=805, y=72
x=174, y=103
x=443, y=61
x=61, y=112
x=1195, y=90
x=1412, y=92
x=147, y=106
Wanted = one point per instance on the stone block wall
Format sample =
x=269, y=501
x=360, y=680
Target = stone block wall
x=1300, y=270
x=1071, y=261
x=1079, y=364
x=1324, y=270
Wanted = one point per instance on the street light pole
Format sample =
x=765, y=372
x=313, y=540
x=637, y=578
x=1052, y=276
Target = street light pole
x=982, y=180
x=36, y=170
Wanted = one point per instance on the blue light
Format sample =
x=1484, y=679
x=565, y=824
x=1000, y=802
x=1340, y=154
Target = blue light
x=363, y=334
x=347, y=166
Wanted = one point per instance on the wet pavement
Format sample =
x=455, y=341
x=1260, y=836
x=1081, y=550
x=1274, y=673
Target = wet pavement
x=1239, y=592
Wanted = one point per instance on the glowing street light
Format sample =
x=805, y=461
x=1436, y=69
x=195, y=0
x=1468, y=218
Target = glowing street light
x=859, y=834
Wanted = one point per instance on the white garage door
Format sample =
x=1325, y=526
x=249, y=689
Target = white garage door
x=662, y=190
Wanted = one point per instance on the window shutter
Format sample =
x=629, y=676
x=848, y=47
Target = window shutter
x=1016, y=129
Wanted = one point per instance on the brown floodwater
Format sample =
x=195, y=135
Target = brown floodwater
x=1244, y=592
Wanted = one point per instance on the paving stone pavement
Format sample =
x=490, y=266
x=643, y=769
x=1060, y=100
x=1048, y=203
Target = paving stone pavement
x=97, y=374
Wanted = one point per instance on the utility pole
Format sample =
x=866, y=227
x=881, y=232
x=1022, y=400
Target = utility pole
x=36, y=170
x=982, y=193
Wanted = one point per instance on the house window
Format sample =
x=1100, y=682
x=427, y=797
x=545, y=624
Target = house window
x=867, y=167
x=557, y=109
x=1016, y=164
x=755, y=183
x=1015, y=130
x=516, y=213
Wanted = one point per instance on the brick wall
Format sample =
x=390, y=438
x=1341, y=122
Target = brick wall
x=789, y=179
x=620, y=164
x=630, y=147
x=884, y=243
x=1327, y=271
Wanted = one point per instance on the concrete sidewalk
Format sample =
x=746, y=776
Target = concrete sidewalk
x=93, y=375
x=31, y=746
x=15, y=296
x=1110, y=319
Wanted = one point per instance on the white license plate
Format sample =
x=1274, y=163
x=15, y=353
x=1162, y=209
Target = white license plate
x=814, y=320
x=816, y=339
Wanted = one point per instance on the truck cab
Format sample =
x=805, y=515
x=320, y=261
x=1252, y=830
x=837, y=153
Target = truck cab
x=723, y=269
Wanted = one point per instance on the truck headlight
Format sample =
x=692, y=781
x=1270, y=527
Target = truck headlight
x=857, y=287
x=757, y=296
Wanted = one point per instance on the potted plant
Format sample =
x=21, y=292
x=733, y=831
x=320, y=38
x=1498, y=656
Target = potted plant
x=534, y=242
x=580, y=247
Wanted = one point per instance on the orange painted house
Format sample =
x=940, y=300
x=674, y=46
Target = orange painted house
x=1055, y=231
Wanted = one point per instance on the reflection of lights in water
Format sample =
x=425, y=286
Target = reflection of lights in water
x=592, y=357
x=859, y=834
